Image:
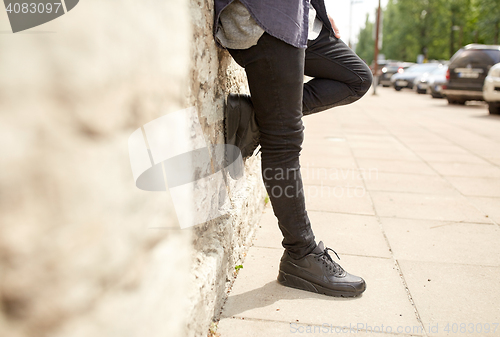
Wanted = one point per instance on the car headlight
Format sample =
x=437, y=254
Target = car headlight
x=494, y=71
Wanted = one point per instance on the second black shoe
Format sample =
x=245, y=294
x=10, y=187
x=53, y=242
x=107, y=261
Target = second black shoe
x=240, y=125
x=318, y=273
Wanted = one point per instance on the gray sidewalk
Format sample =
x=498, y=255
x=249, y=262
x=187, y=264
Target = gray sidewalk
x=406, y=189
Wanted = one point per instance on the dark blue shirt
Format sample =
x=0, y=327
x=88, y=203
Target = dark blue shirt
x=286, y=20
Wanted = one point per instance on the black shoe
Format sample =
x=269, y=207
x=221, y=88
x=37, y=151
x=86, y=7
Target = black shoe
x=240, y=126
x=318, y=273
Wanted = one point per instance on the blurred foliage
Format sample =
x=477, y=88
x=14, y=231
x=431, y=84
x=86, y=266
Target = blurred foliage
x=365, y=42
x=434, y=28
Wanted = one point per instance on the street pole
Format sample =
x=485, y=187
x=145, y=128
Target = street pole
x=375, y=68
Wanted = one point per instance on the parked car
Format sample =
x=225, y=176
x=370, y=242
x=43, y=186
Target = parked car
x=380, y=65
x=491, y=89
x=436, y=82
x=467, y=71
x=390, y=69
x=406, y=78
x=422, y=81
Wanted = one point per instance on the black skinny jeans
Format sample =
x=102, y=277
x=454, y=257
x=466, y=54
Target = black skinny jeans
x=275, y=73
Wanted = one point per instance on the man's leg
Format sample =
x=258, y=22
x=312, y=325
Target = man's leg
x=340, y=76
x=275, y=76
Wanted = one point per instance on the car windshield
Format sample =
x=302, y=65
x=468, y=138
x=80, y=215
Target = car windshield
x=476, y=57
x=494, y=54
x=421, y=68
x=392, y=68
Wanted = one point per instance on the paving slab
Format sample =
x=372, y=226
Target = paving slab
x=489, y=206
x=443, y=241
x=353, y=137
x=312, y=160
x=345, y=233
x=350, y=234
x=400, y=154
x=433, y=147
x=426, y=206
x=322, y=124
x=378, y=144
x=330, y=176
x=484, y=187
x=451, y=158
x=339, y=199
x=325, y=148
x=370, y=129
x=454, y=296
x=481, y=147
x=405, y=182
x=260, y=328
x=268, y=235
x=424, y=234
x=355, y=126
x=256, y=294
x=395, y=166
x=420, y=137
x=493, y=159
x=466, y=170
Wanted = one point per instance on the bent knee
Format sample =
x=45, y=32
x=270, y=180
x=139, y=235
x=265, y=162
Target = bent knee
x=366, y=82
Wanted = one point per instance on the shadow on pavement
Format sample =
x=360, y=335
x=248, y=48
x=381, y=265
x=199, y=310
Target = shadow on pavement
x=269, y=294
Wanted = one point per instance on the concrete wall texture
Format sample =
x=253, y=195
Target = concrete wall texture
x=83, y=252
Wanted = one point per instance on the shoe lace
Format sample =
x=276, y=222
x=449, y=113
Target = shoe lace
x=333, y=266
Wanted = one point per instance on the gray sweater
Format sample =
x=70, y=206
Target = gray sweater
x=239, y=30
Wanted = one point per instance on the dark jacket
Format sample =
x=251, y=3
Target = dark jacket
x=286, y=20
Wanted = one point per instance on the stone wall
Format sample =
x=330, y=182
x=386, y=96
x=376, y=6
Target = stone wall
x=220, y=245
x=83, y=252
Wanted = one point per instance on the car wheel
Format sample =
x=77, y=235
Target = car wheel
x=397, y=88
x=494, y=108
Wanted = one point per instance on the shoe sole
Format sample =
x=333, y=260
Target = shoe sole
x=293, y=281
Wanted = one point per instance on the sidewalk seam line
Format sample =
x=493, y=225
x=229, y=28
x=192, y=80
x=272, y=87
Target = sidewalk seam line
x=401, y=276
